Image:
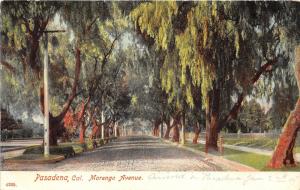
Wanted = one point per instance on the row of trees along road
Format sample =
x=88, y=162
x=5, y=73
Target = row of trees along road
x=82, y=65
x=191, y=61
x=223, y=48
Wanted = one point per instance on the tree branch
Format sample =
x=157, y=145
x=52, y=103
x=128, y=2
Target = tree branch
x=74, y=87
x=8, y=66
x=88, y=28
x=236, y=107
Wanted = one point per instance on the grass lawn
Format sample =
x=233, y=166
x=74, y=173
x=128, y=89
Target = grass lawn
x=76, y=146
x=266, y=143
x=256, y=161
x=67, y=148
x=257, y=142
x=297, y=149
x=34, y=157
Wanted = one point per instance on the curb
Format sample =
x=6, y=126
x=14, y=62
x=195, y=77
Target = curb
x=12, y=149
x=53, y=159
x=224, y=163
x=56, y=158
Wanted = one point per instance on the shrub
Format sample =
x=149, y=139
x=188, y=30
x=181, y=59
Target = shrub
x=101, y=142
x=95, y=144
x=83, y=146
x=26, y=132
x=89, y=145
x=4, y=135
x=18, y=133
x=66, y=151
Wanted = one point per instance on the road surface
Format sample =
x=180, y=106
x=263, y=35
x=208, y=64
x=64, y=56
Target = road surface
x=131, y=153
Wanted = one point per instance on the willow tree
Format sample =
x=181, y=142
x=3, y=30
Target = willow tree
x=32, y=18
x=277, y=32
x=24, y=26
x=284, y=150
x=99, y=38
x=168, y=72
x=142, y=83
x=283, y=154
x=190, y=56
x=224, y=47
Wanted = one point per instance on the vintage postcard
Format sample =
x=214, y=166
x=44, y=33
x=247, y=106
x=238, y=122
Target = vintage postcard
x=150, y=95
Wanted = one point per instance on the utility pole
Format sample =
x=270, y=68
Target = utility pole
x=116, y=133
x=102, y=121
x=46, y=99
x=46, y=92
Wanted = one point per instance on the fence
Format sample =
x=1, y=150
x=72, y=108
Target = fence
x=190, y=135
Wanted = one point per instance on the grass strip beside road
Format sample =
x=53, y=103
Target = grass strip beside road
x=254, y=160
x=260, y=142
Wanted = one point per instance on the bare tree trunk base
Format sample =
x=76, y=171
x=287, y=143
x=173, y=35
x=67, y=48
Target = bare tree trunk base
x=176, y=134
x=167, y=134
x=283, y=154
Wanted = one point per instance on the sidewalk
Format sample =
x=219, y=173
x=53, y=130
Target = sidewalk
x=217, y=160
x=249, y=149
x=14, y=148
x=11, y=154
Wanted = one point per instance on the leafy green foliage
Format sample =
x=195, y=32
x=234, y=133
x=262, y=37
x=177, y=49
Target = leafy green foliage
x=155, y=18
x=67, y=151
x=254, y=118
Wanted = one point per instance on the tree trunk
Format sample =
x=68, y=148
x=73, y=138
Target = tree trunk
x=213, y=135
x=52, y=134
x=106, y=131
x=207, y=121
x=96, y=132
x=118, y=132
x=283, y=154
x=289, y=159
x=153, y=131
x=211, y=129
x=82, y=133
x=72, y=95
x=95, y=129
x=183, y=129
x=176, y=122
x=167, y=133
x=35, y=36
x=33, y=55
x=56, y=129
x=156, y=128
x=176, y=134
x=56, y=123
x=81, y=121
x=233, y=113
x=197, y=131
